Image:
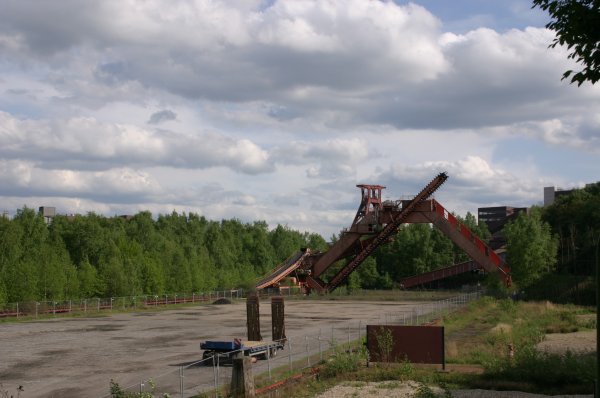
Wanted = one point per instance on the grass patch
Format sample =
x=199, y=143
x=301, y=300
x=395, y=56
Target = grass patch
x=480, y=334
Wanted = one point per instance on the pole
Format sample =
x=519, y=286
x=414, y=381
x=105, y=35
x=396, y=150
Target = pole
x=181, y=380
x=597, y=389
x=290, y=353
x=307, y=353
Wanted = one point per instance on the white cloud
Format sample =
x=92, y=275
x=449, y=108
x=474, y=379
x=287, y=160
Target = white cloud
x=226, y=108
x=91, y=144
x=21, y=178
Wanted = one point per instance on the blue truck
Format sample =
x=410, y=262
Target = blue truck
x=225, y=351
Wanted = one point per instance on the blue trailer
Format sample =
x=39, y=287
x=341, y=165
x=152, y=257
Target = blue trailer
x=227, y=350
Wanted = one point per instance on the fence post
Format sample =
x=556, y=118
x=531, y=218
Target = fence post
x=217, y=373
x=320, y=351
x=37, y=304
x=17, y=310
x=181, y=380
x=216, y=382
x=349, y=348
x=290, y=354
x=359, y=331
x=332, y=338
x=269, y=360
x=98, y=305
x=85, y=306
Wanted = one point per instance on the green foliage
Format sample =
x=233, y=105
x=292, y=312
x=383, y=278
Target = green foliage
x=3, y=293
x=424, y=391
x=96, y=256
x=543, y=368
x=577, y=26
x=385, y=344
x=531, y=248
x=342, y=362
x=417, y=248
x=575, y=218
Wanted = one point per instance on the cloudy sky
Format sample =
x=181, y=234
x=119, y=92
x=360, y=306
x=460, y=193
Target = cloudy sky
x=275, y=110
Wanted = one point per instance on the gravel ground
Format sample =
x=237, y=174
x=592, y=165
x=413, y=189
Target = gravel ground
x=77, y=357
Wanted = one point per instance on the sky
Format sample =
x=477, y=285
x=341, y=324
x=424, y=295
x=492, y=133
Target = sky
x=275, y=110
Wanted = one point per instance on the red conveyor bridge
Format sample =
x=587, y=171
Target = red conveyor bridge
x=375, y=223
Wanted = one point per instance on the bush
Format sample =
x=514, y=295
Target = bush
x=545, y=369
x=344, y=362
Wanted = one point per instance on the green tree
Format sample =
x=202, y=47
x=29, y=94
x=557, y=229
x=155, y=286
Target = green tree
x=577, y=25
x=531, y=247
x=3, y=293
x=88, y=279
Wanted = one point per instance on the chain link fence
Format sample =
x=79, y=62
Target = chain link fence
x=211, y=376
x=55, y=308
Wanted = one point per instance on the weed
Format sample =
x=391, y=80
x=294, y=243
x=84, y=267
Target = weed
x=389, y=386
x=117, y=392
x=424, y=391
x=344, y=362
x=385, y=344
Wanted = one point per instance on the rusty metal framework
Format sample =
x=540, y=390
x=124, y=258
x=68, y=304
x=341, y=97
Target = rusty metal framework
x=375, y=224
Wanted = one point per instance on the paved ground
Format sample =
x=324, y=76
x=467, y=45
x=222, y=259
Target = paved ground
x=78, y=357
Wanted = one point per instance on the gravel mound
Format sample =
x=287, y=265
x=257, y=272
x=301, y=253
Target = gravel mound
x=222, y=301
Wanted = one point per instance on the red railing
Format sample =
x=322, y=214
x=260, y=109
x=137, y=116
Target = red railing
x=469, y=235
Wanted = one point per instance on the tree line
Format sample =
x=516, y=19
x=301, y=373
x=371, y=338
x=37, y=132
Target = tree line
x=96, y=256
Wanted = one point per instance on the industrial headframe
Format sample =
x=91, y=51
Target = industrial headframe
x=375, y=223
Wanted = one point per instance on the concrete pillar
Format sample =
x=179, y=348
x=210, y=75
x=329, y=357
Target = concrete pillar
x=242, y=380
x=278, y=318
x=253, y=318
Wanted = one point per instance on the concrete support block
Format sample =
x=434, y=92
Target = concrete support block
x=242, y=379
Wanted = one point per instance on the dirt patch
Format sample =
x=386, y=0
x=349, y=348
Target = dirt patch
x=560, y=343
x=409, y=389
x=374, y=389
x=502, y=328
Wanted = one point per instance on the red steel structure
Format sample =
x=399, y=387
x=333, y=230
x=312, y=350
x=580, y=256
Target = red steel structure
x=375, y=223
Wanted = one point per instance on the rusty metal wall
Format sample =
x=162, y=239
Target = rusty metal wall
x=417, y=344
x=253, y=318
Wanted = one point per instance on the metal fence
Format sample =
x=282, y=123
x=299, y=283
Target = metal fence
x=108, y=304
x=209, y=376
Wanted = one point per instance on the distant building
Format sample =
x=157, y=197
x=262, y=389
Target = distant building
x=496, y=218
x=48, y=213
x=551, y=193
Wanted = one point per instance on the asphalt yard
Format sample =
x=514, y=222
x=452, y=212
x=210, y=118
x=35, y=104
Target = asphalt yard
x=77, y=357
